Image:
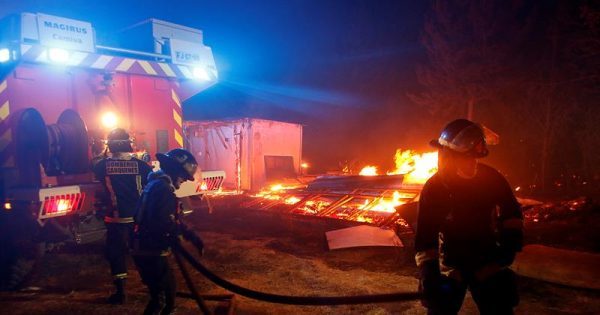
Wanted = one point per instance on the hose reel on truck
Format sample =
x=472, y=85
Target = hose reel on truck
x=68, y=146
x=61, y=148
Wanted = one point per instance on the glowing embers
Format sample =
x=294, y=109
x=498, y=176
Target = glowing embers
x=312, y=206
x=278, y=192
x=416, y=168
x=61, y=204
x=385, y=203
x=372, y=200
x=359, y=208
x=371, y=206
x=291, y=200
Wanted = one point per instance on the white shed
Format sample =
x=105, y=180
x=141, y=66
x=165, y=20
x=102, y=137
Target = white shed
x=252, y=152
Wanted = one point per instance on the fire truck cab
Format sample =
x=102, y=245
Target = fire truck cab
x=61, y=91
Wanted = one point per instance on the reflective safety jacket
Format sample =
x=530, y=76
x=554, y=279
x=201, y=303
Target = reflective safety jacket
x=123, y=178
x=468, y=224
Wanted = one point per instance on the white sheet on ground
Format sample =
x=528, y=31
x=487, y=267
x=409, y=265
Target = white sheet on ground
x=361, y=236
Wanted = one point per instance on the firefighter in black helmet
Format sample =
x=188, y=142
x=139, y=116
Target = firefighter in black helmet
x=469, y=228
x=159, y=225
x=123, y=178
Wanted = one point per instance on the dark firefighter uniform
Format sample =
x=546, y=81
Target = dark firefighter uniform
x=158, y=226
x=123, y=178
x=468, y=232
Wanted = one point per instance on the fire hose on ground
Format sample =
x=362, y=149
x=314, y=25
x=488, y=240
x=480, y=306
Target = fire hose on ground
x=282, y=299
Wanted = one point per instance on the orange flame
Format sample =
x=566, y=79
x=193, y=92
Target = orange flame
x=368, y=171
x=383, y=204
x=416, y=168
x=292, y=200
x=274, y=192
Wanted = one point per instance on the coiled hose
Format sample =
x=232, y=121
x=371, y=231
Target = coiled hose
x=289, y=299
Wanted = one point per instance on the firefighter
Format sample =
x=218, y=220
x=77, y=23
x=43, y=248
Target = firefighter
x=469, y=228
x=159, y=225
x=123, y=178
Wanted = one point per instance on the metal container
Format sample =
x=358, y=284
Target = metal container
x=253, y=152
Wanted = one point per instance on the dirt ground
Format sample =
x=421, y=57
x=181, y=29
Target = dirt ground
x=266, y=252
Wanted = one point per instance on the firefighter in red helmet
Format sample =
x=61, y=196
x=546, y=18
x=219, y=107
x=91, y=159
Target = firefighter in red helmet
x=159, y=225
x=123, y=177
x=469, y=228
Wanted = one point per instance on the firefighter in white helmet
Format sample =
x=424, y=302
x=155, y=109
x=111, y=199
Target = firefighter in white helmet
x=123, y=178
x=469, y=228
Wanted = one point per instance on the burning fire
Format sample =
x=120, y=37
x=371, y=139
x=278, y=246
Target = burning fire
x=383, y=204
x=373, y=206
x=277, y=187
x=292, y=200
x=417, y=168
x=275, y=192
x=368, y=171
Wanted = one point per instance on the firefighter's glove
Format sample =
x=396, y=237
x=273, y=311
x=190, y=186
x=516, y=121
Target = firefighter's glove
x=430, y=282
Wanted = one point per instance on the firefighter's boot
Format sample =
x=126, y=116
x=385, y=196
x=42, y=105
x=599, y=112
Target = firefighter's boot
x=152, y=308
x=155, y=304
x=119, y=296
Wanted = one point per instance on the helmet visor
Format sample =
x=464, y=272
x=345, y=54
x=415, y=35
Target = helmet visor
x=465, y=140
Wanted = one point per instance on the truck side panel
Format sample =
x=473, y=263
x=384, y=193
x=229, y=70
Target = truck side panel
x=156, y=115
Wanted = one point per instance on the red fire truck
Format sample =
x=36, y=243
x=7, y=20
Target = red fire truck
x=61, y=91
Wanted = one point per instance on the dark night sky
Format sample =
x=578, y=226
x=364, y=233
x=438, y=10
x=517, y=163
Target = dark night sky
x=342, y=68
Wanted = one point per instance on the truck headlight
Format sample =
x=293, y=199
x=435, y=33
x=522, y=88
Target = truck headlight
x=4, y=54
x=201, y=74
x=109, y=120
x=58, y=55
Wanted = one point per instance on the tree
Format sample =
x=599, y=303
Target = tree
x=562, y=89
x=475, y=66
x=470, y=46
x=585, y=53
x=528, y=70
